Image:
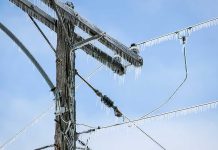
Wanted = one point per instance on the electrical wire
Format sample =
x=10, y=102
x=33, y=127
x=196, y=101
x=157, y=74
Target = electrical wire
x=29, y=125
x=85, y=125
x=104, y=98
x=90, y=75
x=202, y=107
x=146, y=134
x=37, y=26
x=45, y=147
x=154, y=110
x=180, y=85
x=172, y=95
x=182, y=32
x=29, y=55
x=117, y=112
x=84, y=144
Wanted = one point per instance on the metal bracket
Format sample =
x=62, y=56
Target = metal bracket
x=60, y=111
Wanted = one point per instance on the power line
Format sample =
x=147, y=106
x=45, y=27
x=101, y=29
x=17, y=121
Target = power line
x=171, y=96
x=29, y=125
x=177, y=112
x=178, y=33
x=180, y=85
x=109, y=103
x=146, y=134
x=104, y=98
x=90, y=75
x=29, y=55
x=45, y=147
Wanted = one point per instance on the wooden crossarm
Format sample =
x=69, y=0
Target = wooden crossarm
x=50, y=22
x=36, y=12
x=92, y=30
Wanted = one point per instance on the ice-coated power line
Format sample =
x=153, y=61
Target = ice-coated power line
x=178, y=112
x=180, y=85
x=29, y=55
x=179, y=33
x=109, y=103
x=28, y=126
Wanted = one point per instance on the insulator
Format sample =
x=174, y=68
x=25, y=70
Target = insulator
x=107, y=101
x=117, y=58
x=70, y=4
x=134, y=48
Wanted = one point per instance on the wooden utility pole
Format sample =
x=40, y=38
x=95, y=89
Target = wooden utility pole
x=65, y=87
x=67, y=40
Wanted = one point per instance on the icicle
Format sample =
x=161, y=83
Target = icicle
x=138, y=71
x=108, y=111
x=115, y=76
x=159, y=40
x=173, y=36
x=87, y=59
x=184, y=112
x=121, y=79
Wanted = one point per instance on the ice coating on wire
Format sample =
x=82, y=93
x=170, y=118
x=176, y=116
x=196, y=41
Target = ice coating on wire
x=175, y=35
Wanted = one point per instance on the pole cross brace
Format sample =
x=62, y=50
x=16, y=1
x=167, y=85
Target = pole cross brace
x=86, y=41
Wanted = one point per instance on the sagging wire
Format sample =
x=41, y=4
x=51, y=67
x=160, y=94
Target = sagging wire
x=183, y=38
x=30, y=56
x=41, y=71
x=109, y=103
x=43, y=34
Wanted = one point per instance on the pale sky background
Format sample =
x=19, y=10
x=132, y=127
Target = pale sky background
x=24, y=94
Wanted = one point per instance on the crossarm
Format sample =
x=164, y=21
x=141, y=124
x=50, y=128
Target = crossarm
x=92, y=30
x=35, y=12
x=50, y=22
x=101, y=56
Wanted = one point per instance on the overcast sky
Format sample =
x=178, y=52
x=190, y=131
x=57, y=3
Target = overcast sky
x=24, y=94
